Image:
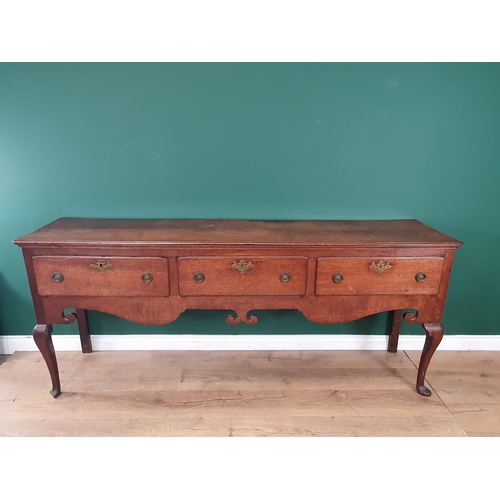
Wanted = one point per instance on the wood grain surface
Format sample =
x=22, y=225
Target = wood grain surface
x=124, y=278
x=251, y=393
x=468, y=383
x=360, y=279
x=263, y=278
x=70, y=231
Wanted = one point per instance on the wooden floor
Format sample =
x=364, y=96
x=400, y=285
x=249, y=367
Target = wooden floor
x=251, y=393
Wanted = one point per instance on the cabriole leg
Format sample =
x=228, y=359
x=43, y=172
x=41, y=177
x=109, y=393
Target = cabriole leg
x=434, y=334
x=83, y=328
x=42, y=334
x=395, y=326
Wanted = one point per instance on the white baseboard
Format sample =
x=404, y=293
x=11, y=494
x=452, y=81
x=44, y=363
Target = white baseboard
x=11, y=343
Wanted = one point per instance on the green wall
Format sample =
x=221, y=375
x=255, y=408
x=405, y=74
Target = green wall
x=264, y=141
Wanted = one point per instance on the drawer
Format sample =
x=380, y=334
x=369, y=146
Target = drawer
x=102, y=276
x=242, y=275
x=378, y=276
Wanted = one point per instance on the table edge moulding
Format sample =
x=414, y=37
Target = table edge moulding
x=149, y=271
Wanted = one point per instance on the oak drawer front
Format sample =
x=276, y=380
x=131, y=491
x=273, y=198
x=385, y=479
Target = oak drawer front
x=242, y=275
x=102, y=276
x=376, y=276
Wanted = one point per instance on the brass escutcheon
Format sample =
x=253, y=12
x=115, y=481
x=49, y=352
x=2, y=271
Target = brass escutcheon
x=380, y=266
x=242, y=266
x=101, y=266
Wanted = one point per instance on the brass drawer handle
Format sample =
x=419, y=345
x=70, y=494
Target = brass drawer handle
x=380, y=267
x=147, y=277
x=338, y=278
x=57, y=277
x=101, y=266
x=420, y=277
x=285, y=277
x=199, y=277
x=242, y=266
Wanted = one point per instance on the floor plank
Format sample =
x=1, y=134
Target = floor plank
x=243, y=393
x=464, y=376
x=478, y=420
x=468, y=383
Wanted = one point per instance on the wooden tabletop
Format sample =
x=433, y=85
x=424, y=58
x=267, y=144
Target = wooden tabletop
x=77, y=231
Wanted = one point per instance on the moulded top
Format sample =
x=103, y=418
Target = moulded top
x=90, y=231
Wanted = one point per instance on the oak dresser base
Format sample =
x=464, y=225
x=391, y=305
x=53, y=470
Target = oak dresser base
x=150, y=271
